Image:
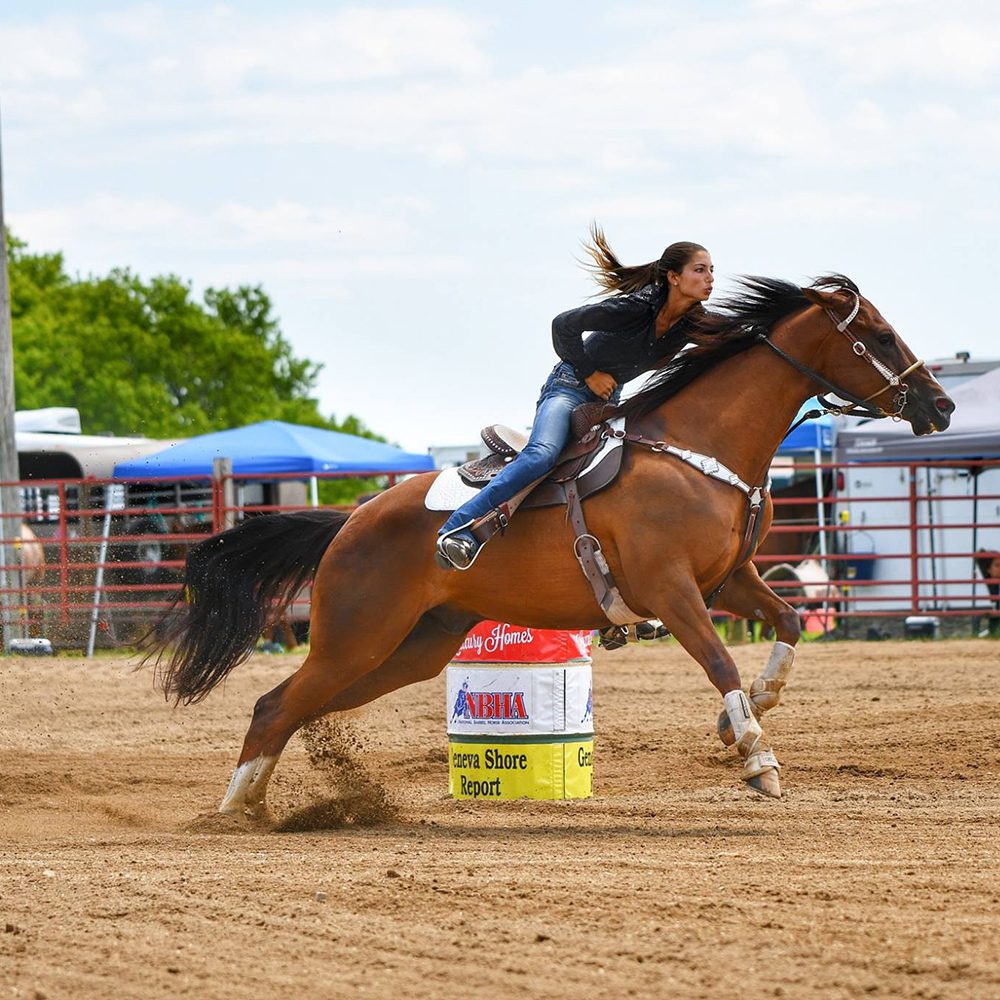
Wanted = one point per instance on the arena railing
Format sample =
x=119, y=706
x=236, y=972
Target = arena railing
x=107, y=557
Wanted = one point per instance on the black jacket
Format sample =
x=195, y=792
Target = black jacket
x=623, y=340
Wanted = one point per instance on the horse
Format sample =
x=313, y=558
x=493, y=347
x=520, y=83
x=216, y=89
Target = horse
x=385, y=615
x=32, y=554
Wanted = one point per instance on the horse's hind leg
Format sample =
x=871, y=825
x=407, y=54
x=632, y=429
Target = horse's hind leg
x=685, y=614
x=276, y=717
x=248, y=787
x=322, y=685
x=748, y=596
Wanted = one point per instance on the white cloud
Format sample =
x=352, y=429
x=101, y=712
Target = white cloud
x=292, y=222
x=345, y=156
x=107, y=217
x=337, y=275
x=940, y=46
x=640, y=205
x=822, y=208
x=791, y=83
x=902, y=41
x=42, y=53
x=225, y=49
x=268, y=239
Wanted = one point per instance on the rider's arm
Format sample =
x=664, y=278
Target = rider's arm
x=619, y=312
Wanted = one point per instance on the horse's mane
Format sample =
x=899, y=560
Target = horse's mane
x=733, y=326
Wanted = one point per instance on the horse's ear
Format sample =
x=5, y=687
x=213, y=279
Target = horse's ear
x=817, y=297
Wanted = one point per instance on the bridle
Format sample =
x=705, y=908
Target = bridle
x=858, y=405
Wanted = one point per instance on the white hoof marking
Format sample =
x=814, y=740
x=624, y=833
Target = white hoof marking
x=248, y=785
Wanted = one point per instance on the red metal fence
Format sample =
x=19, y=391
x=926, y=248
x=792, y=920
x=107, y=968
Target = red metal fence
x=874, y=541
x=92, y=562
x=890, y=540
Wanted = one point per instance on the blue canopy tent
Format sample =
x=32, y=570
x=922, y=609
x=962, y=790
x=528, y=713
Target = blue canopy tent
x=273, y=446
x=258, y=451
x=814, y=435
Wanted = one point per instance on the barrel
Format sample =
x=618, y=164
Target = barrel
x=520, y=715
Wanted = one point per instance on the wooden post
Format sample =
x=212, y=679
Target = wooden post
x=10, y=527
x=222, y=474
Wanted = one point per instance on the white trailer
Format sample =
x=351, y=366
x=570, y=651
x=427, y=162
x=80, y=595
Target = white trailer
x=924, y=522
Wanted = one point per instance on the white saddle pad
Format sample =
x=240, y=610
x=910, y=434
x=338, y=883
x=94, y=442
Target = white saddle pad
x=449, y=491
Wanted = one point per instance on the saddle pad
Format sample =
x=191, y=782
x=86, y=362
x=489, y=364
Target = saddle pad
x=448, y=491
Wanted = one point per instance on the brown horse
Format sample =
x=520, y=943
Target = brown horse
x=32, y=554
x=384, y=615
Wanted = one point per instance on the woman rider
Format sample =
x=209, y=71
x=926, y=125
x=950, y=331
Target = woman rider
x=640, y=326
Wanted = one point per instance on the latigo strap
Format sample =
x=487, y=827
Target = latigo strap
x=587, y=550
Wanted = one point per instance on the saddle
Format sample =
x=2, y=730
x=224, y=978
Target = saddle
x=589, y=463
x=506, y=444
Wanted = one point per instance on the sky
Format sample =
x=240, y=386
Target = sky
x=411, y=183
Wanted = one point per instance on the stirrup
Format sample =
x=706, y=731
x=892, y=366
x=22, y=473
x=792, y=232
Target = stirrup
x=612, y=636
x=456, y=553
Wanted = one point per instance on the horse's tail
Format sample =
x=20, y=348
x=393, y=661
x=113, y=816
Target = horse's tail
x=235, y=584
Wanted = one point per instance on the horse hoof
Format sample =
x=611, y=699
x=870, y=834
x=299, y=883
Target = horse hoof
x=766, y=783
x=725, y=729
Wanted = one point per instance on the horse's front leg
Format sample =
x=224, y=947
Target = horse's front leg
x=747, y=596
x=685, y=614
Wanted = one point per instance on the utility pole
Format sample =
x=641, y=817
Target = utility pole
x=10, y=526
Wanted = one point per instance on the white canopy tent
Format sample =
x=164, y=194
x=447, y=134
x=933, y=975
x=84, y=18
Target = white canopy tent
x=974, y=430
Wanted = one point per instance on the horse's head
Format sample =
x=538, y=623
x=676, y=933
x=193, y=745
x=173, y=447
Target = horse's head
x=870, y=364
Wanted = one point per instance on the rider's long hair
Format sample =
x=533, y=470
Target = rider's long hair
x=614, y=276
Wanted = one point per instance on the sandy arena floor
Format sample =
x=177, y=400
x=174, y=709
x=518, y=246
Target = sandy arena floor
x=877, y=875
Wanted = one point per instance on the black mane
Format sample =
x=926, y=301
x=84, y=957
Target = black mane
x=732, y=327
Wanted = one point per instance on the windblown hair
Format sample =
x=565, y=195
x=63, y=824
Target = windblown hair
x=614, y=276
x=735, y=324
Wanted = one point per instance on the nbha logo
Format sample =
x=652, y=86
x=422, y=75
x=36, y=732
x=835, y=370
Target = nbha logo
x=476, y=706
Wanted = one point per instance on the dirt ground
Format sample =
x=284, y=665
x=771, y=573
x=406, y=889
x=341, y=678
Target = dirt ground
x=877, y=874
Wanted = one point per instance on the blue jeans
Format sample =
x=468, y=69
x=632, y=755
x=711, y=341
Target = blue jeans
x=560, y=395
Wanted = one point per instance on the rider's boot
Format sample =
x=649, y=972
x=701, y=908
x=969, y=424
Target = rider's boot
x=456, y=550
x=460, y=547
x=612, y=636
x=617, y=636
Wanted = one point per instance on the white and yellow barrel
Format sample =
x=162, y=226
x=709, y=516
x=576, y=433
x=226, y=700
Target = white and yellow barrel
x=520, y=730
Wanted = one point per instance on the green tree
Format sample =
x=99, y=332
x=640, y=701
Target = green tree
x=138, y=357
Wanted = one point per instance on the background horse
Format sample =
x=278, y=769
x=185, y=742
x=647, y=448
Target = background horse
x=31, y=554
x=384, y=615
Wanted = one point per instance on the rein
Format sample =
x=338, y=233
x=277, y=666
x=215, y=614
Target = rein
x=857, y=405
x=756, y=495
x=587, y=548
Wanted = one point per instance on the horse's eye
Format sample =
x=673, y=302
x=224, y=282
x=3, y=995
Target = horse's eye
x=885, y=339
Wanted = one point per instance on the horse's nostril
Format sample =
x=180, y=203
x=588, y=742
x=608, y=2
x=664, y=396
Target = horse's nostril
x=944, y=404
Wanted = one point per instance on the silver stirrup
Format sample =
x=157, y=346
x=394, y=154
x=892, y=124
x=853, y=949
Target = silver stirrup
x=441, y=556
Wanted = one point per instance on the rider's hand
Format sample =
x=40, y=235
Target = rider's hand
x=601, y=384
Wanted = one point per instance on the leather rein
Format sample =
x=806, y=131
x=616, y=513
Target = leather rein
x=857, y=405
x=612, y=603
